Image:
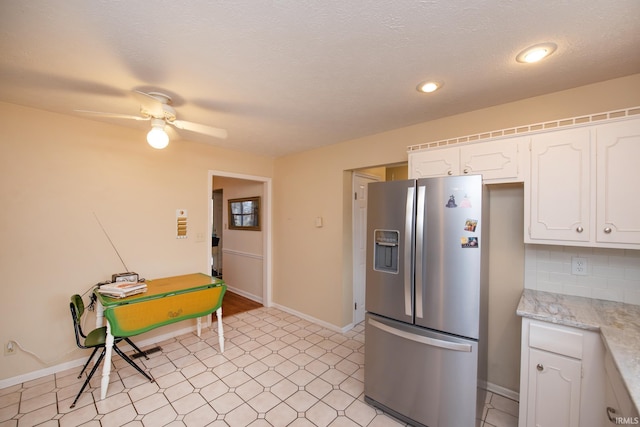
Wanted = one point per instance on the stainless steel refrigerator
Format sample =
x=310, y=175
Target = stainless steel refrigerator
x=426, y=299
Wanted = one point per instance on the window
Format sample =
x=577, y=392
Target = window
x=244, y=214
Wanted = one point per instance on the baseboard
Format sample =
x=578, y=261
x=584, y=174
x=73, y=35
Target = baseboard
x=502, y=391
x=313, y=319
x=51, y=370
x=244, y=294
x=8, y=382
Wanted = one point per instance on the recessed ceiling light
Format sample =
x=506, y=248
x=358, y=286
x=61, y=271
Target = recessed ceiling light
x=429, y=86
x=536, y=53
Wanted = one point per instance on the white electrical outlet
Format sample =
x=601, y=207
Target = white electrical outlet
x=579, y=266
x=10, y=348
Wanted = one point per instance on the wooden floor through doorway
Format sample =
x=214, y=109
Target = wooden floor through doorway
x=233, y=303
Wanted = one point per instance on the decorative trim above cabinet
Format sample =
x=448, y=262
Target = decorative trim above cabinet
x=532, y=128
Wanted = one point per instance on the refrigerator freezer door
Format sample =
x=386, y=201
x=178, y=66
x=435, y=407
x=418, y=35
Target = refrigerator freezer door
x=390, y=242
x=448, y=254
x=421, y=376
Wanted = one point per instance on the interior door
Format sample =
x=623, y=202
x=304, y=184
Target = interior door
x=360, y=184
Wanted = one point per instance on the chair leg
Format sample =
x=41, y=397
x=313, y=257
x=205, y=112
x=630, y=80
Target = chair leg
x=89, y=376
x=88, y=360
x=132, y=363
x=135, y=347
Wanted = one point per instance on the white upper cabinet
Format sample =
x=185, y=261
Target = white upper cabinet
x=433, y=163
x=580, y=189
x=618, y=208
x=558, y=189
x=496, y=160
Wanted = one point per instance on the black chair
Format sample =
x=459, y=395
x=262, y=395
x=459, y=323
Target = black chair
x=96, y=339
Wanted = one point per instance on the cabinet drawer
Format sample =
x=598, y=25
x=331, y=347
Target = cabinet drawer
x=556, y=340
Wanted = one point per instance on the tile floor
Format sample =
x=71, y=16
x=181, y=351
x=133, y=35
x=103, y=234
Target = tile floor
x=277, y=370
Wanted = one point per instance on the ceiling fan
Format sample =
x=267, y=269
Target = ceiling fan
x=156, y=107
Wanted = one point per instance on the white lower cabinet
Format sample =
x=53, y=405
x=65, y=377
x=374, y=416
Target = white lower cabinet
x=618, y=408
x=554, y=390
x=561, y=376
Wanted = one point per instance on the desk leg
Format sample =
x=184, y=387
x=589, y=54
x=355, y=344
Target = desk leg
x=220, y=329
x=99, y=322
x=106, y=368
x=99, y=314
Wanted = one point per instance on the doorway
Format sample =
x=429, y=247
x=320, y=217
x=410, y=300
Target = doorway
x=229, y=248
x=360, y=181
x=360, y=184
x=217, y=198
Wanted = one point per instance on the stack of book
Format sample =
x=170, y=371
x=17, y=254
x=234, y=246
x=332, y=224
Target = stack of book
x=122, y=289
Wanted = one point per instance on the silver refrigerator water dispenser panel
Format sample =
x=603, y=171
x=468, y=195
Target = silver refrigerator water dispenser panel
x=386, y=251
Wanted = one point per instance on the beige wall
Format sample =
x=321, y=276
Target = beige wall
x=312, y=266
x=55, y=172
x=506, y=282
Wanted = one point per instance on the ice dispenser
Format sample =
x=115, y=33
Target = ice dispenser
x=386, y=251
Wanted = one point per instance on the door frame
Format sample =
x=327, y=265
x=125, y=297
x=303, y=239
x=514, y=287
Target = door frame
x=266, y=211
x=358, y=288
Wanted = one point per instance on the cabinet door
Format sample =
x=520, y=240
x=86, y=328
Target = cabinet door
x=618, y=203
x=497, y=161
x=559, y=187
x=619, y=409
x=432, y=163
x=554, y=390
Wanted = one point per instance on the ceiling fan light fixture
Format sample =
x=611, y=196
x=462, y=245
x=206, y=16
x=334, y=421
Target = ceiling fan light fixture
x=536, y=53
x=429, y=86
x=157, y=137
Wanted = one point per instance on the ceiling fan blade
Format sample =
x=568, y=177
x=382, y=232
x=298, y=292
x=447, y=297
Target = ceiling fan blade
x=198, y=128
x=111, y=115
x=149, y=103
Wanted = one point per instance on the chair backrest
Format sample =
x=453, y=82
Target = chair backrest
x=77, y=310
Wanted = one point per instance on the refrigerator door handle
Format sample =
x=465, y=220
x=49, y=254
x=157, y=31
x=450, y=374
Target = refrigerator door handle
x=419, y=249
x=448, y=345
x=408, y=242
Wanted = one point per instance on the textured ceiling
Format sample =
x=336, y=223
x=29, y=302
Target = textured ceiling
x=290, y=75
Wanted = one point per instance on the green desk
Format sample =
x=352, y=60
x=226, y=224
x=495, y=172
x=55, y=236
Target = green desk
x=166, y=301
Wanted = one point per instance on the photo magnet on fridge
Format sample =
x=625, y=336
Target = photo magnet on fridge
x=470, y=225
x=469, y=242
x=451, y=203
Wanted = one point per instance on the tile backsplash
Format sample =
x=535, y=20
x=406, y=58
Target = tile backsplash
x=612, y=274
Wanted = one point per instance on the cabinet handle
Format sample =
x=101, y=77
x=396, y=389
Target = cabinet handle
x=607, y=230
x=579, y=229
x=466, y=171
x=610, y=411
x=449, y=173
x=540, y=367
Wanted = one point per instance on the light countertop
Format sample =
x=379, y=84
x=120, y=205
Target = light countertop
x=618, y=323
